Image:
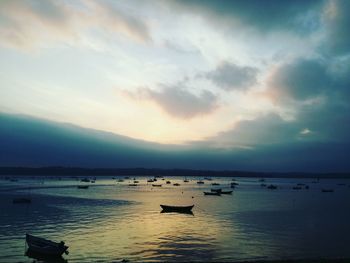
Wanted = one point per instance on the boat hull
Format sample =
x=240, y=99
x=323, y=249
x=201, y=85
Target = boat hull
x=45, y=247
x=177, y=209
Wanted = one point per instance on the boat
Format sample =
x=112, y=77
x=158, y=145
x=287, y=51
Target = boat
x=212, y=193
x=327, y=190
x=136, y=182
x=200, y=182
x=272, y=187
x=21, y=200
x=215, y=184
x=150, y=181
x=176, y=184
x=82, y=186
x=133, y=184
x=45, y=247
x=156, y=185
x=85, y=180
x=226, y=192
x=177, y=209
x=168, y=182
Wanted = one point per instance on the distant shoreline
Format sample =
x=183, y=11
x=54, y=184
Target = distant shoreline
x=344, y=260
x=80, y=171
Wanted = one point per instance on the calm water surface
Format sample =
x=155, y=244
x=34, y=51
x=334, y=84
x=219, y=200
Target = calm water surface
x=112, y=221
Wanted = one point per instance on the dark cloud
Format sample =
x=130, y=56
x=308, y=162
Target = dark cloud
x=337, y=20
x=301, y=79
x=230, y=76
x=179, y=102
x=298, y=15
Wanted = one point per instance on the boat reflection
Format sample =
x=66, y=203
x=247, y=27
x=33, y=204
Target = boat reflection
x=45, y=258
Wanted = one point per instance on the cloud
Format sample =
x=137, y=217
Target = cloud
x=230, y=76
x=178, y=102
x=28, y=23
x=299, y=16
x=301, y=79
x=336, y=21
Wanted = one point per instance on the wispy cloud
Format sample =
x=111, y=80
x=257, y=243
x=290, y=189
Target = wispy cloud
x=177, y=101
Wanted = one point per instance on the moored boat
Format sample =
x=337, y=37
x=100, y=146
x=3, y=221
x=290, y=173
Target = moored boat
x=212, y=193
x=177, y=209
x=82, y=186
x=156, y=185
x=45, y=247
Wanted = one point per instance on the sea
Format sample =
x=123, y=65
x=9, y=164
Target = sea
x=111, y=221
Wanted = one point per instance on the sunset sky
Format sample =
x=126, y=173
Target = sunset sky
x=215, y=74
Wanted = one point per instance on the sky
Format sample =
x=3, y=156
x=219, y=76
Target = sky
x=251, y=77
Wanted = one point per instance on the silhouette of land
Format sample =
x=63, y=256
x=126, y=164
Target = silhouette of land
x=76, y=171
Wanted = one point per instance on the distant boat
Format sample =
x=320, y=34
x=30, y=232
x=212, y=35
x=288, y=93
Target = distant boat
x=215, y=184
x=133, y=184
x=93, y=181
x=120, y=180
x=150, y=181
x=176, y=184
x=136, y=182
x=85, y=180
x=262, y=180
x=327, y=190
x=200, y=182
x=82, y=186
x=21, y=200
x=45, y=247
x=177, y=209
x=272, y=187
x=186, y=181
x=212, y=193
x=156, y=185
x=168, y=182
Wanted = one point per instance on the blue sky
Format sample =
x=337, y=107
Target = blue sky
x=220, y=75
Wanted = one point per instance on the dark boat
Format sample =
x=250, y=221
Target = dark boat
x=212, y=193
x=120, y=180
x=136, y=182
x=176, y=184
x=327, y=190
x=168, y=182
x=186, y=181
x=133, y=184
x=21, y=200
x=226, y=192
x=215, y=184
x=82, y=186
x=156, y=185
x=150, y=181
x=296, y=187
x=45, y=247
x=200, y=182
x=272, y=187
x=177, y=209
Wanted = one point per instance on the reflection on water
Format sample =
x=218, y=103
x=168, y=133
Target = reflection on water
x=112, y=221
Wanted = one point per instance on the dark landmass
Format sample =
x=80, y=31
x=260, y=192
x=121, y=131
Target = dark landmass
x=79, y=171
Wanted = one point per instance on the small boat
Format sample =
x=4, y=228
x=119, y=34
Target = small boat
x=186, y=181
x=212, y=193
x=272, y=187
x=177, y=209
x=45, y=247
x=93, y=181
x=215, y=184
x=120, y=180
x=156, y=185
x=168, y=182
x=150, y=181
x=200, y=182
x=226, y=192
x=327, y=190
x=176, y=184
x=136, y=182
x=85, y=180
x=21, y=200
x=82, y=186
x=133, y=184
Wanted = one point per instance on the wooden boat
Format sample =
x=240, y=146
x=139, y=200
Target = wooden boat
x=212, y=193
x=156, y=185
x=82, y=186
x=226, y=192
x=177, y=209
x=176, y=184
x=45, y=247
x=21, y=200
